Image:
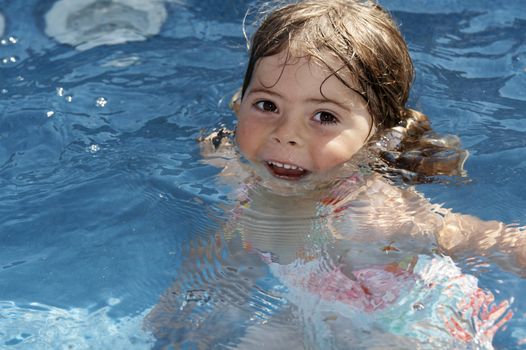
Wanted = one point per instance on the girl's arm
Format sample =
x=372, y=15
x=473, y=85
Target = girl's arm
x=464, y=234
x=456, y=234
x=210, y=300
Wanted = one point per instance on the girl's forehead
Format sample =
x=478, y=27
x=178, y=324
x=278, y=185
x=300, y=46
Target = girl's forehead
x=288, y=57
x=331, y=74
x=303, y=80
x=274, y=66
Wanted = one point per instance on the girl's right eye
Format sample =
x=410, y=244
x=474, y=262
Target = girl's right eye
x=266, y=106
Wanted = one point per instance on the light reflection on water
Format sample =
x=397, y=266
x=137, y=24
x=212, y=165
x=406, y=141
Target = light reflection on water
x=104, y=198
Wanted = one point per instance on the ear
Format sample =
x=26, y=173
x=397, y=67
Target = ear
x=235, y=102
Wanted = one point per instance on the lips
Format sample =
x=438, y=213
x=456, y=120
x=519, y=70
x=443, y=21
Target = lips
x=286, y=171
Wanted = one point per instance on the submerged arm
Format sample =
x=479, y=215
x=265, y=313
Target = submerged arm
x=210, y=301
x=458, y=234
x=506, y=244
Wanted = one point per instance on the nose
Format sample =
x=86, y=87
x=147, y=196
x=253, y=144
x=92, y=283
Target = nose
x=287, y=133
x=291, y=142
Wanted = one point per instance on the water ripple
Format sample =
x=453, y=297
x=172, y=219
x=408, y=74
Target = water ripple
x=40, y=326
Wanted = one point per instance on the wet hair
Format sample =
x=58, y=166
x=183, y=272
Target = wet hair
x=375, y=63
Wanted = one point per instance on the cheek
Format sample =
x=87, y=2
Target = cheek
x=337, y=152
x=247, y=137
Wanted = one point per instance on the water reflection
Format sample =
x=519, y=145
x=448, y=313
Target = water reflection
x=87, y=24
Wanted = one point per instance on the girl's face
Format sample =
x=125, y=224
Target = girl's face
x=296, y=118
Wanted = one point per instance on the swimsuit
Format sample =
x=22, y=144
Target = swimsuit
x=431, y=302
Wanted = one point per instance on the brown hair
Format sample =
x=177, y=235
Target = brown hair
x=374, y=56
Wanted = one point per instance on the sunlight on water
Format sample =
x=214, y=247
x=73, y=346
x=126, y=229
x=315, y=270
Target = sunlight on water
x=38, y=326
x=87, y=24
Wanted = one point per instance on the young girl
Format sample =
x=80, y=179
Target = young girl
x=325, y=136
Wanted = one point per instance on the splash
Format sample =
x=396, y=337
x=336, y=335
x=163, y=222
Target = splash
x=39, y=326
x=86, y=24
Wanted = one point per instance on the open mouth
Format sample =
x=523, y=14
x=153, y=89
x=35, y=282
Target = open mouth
x=286, y=171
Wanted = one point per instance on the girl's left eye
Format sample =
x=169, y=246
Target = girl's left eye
x=266, y=106
x=325, y=118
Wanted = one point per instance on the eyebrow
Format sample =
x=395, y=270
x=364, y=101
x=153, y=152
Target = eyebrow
x=328, y=100
x=312, y=100
x=266, y=91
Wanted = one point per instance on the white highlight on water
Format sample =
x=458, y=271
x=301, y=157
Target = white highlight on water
x=40, y=326
x=122, y=62
x=7, y=60
x=9, y=41
x=89, y=23
x=2, y=24
x=101, y=102
x=93, y=148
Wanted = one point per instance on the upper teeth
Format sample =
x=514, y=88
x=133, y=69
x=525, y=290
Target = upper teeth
x=286, y=166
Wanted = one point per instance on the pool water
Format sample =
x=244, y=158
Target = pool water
x=104, y=198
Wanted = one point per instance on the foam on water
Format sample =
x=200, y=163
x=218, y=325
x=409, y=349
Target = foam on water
x=39, y=326
x=87, y=24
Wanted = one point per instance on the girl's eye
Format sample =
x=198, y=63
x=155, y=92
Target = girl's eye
x=325, y=118
x=266, y=106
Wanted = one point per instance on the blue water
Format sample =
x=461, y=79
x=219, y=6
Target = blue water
x=102, y=189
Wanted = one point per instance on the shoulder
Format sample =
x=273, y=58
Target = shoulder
x=391, y=210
